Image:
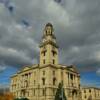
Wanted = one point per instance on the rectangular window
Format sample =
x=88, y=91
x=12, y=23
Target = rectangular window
x=43, y=81
x=34, y=92
x=44, y=61
x=54, y=81
x=89, y=90
x=34, y=82
x=44, y=53
x=53, y=73
x=71, y=76
x=44, y=92
x=53, y=53
x=53, y=61
x=53, y=91
x=43, y=72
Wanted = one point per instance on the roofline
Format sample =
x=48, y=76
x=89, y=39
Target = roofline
x=88, y=87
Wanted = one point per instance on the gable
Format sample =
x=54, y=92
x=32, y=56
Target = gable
x=72, y=68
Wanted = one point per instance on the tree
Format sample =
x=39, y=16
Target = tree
x=60, y=94
x=6, y=96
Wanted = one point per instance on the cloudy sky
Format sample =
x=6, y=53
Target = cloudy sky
x=77, y=28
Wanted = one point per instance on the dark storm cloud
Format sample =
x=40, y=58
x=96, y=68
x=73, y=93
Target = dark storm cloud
x=76, y=24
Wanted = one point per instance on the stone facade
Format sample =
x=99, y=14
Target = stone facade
x=90, y=93
x=40, y=81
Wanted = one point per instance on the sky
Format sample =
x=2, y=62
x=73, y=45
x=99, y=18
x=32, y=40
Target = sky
x=77, y=28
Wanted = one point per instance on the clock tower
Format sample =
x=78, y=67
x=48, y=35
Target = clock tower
x=48, y=46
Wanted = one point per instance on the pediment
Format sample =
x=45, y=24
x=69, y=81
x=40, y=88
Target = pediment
x=72, y=68
x=25, y=68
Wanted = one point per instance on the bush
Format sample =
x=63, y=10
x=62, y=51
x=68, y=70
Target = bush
x=21, y=99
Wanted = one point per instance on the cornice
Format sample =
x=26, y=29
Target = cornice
x=48, y=42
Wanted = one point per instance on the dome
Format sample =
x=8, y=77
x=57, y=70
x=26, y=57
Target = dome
x=49, y=24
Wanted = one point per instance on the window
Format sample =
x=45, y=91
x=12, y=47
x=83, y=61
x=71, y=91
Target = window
x=53, y=61
x=34, y=92
x=28, y=94
x=54, y=73
x=34, y=73
x=54, y=81
x=43, y=81
x=53, y=91
x=34, y=82
x=43, y=72
x=84, y=91
x=26, y=83
x=44, y=53
x=53, y=53
x=85, y=96
x=89, y=90
x=44, y=92
x=71, y=76
x=44, y=61
x=79, y=85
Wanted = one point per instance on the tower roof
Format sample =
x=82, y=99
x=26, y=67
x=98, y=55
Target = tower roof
x=49, y=24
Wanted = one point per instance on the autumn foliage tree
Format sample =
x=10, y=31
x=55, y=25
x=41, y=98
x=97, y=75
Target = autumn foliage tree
x=6, y=96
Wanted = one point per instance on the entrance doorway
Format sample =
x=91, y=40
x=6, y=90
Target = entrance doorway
x=74, y=95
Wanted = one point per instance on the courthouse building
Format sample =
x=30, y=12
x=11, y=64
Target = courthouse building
x=40, y=81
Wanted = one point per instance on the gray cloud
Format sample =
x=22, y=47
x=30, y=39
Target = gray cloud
x=76, y=24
